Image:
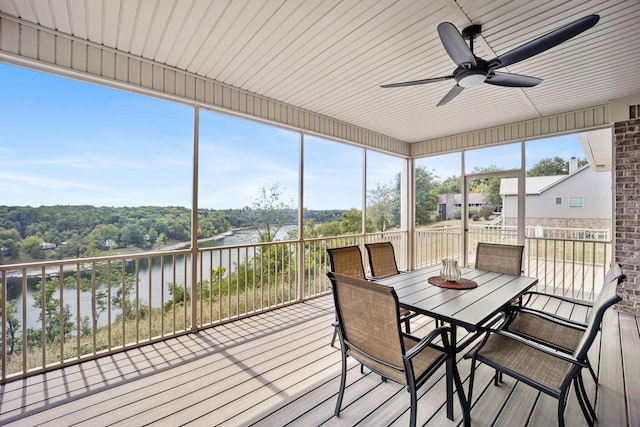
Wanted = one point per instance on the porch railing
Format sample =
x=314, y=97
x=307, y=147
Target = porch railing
x=569, y=266
x=58, y=313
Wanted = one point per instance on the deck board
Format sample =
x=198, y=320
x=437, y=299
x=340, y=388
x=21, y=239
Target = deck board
x=278, y=368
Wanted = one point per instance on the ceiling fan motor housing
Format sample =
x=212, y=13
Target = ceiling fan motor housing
x=473, y=76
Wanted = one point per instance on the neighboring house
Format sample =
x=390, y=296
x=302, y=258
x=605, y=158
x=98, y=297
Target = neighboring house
x=579, y=200
x=450, y=203
x=48, y=246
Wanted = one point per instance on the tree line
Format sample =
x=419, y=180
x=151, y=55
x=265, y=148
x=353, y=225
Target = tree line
x=77, y=231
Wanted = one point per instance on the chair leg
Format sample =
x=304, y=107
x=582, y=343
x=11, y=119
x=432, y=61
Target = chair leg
x=471, y=378
x=583, y=400
x=335, y=335
x=407, y=326
x=413, y=410
x=562, y=403
x=497, y=378
x=335, y=332
x=593, y=374
x=343, y=380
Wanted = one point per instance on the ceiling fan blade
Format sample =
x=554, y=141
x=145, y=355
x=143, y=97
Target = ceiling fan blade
x=511, y=80
x=455, y=45
x=543, y=43
x=455, y=91
x=418, y=82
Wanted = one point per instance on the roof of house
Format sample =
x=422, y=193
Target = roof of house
x=535, y=184
x=472, y=198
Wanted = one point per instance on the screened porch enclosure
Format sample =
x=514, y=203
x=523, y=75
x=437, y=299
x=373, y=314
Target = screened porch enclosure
x=106, y=305
x=206, y=108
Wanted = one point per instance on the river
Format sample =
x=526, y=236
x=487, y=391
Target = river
x=69, y=296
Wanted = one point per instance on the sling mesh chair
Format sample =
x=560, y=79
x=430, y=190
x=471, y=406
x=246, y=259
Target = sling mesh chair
x=499, y=258
x=370, y=332
x=555, y=331
x=348, y=261
x=540, y=366
x=382, y=261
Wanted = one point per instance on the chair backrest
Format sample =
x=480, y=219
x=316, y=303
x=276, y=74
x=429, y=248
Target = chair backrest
x=499, y=258
x=612, y=277
x=347, y=260
x=382, y=259
x=370, y=324
x=608, y=297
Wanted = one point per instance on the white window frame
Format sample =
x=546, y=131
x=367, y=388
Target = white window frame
x=573, y=199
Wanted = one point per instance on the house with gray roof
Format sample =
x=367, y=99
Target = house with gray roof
x=448, y=204
x=581, y=200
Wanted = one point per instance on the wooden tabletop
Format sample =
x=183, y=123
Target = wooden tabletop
x=468, y=308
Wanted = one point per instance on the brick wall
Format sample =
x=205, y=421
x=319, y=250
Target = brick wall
x=627, y=208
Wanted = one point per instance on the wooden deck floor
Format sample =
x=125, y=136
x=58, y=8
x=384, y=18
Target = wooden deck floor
x=278, y=369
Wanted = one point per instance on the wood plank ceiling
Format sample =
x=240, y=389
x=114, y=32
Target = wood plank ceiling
x=330, y=56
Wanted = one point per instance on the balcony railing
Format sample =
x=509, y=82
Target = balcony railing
x=567, y=265
x=58, y=313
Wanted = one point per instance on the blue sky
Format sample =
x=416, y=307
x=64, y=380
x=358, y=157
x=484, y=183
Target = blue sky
x=68, y=142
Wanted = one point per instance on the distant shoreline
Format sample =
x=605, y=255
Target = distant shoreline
x=221, y=236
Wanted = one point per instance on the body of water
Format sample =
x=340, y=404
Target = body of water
x=149, y=279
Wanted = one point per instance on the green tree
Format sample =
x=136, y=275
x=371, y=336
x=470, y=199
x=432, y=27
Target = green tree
x=549, y=167
x=330, y=228
x=271, y=213
x=451, y=185
x=160, y=241
x=125, y=300
x=31, y=246
x=103, y=232
x=132, y=234
x=552, y=166
x=10, y=241
x=352, y=222
x=52, y=312
x=489, y=187
x=380, y=209
x=153, y=236
x=13, y=326
x=426, y=185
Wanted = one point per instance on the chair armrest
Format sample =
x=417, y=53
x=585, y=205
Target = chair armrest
x=540, y=347
x=529, y=294
x=428, y=339
x=532, y=344
x=513, y=311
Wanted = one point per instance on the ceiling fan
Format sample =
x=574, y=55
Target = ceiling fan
x=473, y=71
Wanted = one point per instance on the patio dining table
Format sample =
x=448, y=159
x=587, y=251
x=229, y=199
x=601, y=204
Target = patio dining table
x=472, y=309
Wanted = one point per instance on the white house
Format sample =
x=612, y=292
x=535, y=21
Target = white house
x=579, y=200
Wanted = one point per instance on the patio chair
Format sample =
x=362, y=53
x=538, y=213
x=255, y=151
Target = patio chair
x=540, y=366
x=382, y=259
x=555, y=331
x=370, y=332
x=499, y=258
x=347, y=260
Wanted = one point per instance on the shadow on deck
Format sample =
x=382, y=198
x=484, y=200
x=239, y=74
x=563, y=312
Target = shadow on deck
x=278, y=368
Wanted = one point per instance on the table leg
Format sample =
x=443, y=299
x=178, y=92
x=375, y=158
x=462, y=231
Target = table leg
x=453, y=376
x=451, y=365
